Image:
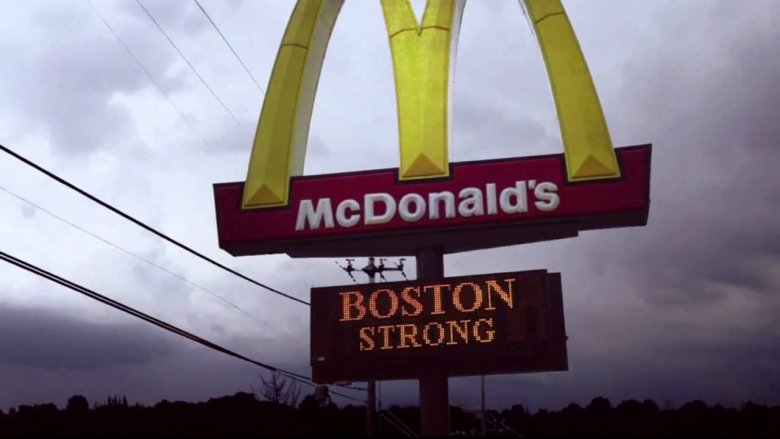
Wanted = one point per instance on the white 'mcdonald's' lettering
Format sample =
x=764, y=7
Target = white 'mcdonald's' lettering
x=308, y=215
x=370, y=202
x=341, y=214
x=381, y=208
x=546, y=194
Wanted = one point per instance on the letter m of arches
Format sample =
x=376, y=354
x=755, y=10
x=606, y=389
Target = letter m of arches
x=423, y=62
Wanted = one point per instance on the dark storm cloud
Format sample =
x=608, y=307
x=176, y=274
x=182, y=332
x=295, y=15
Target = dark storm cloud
x=709, y=103
x=728, y=371
x=50, y=340
x=685, y=261
x=703, y=87
x=719, y=83
x=707, y=95
x=46, y=357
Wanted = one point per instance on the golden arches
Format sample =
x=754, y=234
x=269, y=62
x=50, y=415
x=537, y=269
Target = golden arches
x=586, y=141
x=283, y=130
x=423, y=62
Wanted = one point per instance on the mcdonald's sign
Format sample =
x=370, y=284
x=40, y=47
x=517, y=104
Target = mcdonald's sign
x=427, y=201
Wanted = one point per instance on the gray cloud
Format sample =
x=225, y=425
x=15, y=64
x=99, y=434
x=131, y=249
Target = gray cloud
x=713, y=98
x=82, y=93
x=27, y=211
x=49, y=340
x=683, y=308
x=179, y=16
x=68, y=86
x=487, y=132
x=48, y=356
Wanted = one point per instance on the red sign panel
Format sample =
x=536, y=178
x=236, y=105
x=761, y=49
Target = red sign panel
x=481, y=324
x=482, y=204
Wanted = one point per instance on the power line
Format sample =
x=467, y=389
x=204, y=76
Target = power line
x=148, y=74
x=203, y=81
x=145, y=226
x=396, y=422
x=398, y=427
x=128, y=252
x=152, y=320
x=246, y=69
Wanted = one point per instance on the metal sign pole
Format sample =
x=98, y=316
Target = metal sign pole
x=371, y=270
x=371, y=415
x=371, y=421
x=482, y=406
x=434, y=397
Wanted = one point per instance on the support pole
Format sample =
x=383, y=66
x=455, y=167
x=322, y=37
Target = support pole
x=371, y=429
x=482, y=406
x=379, y=408
x=434, y=392
x=371, y=418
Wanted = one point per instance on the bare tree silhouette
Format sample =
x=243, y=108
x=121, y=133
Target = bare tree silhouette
x=280, y=390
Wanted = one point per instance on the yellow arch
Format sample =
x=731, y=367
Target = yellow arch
x=423, y=62
x=283, y=130
x=586, y=141
x=423, y=65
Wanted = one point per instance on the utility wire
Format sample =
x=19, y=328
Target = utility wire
x=152, y=320
x=195, y=71
x=128, y=252
x=510, y=429
x=148, y=74
x=401, y=428
x=238, y=58
x=407, y=430
x=145, y=226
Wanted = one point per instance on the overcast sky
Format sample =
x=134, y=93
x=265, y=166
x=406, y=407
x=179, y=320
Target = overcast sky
x=685, y=308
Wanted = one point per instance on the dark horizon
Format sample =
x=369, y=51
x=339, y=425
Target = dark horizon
x=245, y=414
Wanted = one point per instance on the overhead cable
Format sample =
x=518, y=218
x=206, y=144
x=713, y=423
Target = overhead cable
x=128, y=252
x=192, y=67
x=397, y=423
x=148, y=74
x=396, y=426
x=152, y=320
x=246, y=69
x=145, y=226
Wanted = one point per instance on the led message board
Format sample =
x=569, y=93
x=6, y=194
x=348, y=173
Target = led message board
x=480, y=324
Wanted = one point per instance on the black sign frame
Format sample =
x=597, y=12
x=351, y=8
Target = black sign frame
x=529, y=336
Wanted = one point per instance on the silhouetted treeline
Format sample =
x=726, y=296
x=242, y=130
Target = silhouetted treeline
x=243, y=415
